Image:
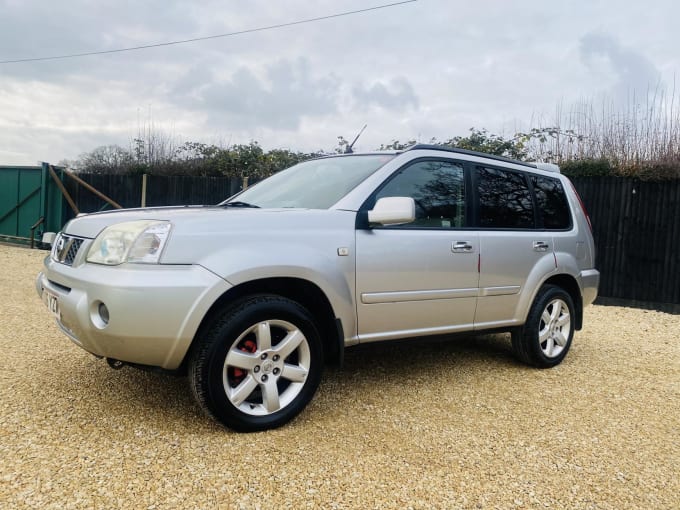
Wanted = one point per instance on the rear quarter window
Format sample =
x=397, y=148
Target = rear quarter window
x=552, y=203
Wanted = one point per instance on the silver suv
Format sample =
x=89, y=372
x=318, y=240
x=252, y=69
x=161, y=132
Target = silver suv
x=251, y=297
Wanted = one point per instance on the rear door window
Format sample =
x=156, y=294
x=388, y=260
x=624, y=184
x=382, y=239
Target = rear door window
x=504, y=199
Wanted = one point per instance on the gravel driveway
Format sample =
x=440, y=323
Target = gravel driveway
x=432, y=425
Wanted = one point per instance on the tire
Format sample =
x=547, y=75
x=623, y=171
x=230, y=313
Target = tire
x=258, y=364
x=544, y=339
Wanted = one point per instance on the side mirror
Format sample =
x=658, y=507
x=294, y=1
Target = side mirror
x=393, y=211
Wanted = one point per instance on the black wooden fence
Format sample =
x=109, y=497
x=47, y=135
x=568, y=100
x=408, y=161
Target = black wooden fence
x=126, y=190
x=636, y=224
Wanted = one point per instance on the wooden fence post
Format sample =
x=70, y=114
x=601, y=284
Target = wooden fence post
x=144, y=179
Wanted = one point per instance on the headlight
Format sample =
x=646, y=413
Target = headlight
x=134, y=241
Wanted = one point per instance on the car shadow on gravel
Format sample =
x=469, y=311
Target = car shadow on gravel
x=418, y=353
x=148, y=399
x=406, y=361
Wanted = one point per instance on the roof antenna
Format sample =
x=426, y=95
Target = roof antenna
x=348, y=149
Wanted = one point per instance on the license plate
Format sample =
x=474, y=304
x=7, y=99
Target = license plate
x=52, y=303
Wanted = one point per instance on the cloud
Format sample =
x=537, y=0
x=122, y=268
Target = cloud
x=630, y=70
x=43, y=29
x=414, y=71
x=397, y=93
x=279, y=97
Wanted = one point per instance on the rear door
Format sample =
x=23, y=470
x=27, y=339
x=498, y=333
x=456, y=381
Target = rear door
x=514, y=249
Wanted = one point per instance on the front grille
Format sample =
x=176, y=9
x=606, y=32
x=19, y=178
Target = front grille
x=66, y=248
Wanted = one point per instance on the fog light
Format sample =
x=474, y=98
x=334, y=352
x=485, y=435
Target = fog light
x=104, y=313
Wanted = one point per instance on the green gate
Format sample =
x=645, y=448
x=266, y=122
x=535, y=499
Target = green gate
x=30, y=203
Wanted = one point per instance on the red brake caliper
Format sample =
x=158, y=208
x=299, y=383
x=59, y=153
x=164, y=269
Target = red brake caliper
x=238, y=373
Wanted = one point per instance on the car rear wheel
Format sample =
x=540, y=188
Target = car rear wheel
x=258, y=364
x=545, y=338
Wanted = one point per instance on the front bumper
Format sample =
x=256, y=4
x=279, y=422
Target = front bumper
x=154, y=310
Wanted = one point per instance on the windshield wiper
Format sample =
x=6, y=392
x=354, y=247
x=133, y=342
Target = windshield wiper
x=240, y=204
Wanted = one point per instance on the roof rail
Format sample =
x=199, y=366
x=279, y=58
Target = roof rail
x=469, y=153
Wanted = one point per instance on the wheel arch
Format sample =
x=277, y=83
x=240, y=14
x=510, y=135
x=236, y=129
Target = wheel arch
x=569, y=284
x=304, y=292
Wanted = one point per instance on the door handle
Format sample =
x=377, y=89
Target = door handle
x=461, y=247
x=541, y=246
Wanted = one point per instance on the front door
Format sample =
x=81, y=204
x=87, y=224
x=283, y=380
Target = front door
x=420, y=278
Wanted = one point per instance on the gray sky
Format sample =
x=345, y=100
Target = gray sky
x=433, y=68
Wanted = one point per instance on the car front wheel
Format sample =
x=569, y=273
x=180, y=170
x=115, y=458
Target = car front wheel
x=258, y=364
x=544, y=340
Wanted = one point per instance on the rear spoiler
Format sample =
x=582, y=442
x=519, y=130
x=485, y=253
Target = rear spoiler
x=548, y=167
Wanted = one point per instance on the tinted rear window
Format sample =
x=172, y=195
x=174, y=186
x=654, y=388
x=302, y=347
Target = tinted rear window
x=504, y=199
x=552, y=202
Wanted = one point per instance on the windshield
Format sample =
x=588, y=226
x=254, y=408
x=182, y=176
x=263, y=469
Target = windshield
x=314, y=184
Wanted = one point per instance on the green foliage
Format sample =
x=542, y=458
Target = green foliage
x=396, y=145
x=646, y=171
x=189, y=158
x=154, y=153
x=481, y=140
x=478, y=140
x=662, y=170
x=107, y=158
x=280, y=159
x=587, y=168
